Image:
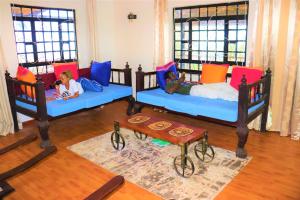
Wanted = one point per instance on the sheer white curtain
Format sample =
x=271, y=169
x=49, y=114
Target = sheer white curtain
x=93, y=33
x=6, y=121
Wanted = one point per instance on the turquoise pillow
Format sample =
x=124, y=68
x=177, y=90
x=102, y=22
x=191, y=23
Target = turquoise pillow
x=100, y=72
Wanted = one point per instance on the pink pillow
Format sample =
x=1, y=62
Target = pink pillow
x=61, y=67
x=252, y=75
x=166, y=66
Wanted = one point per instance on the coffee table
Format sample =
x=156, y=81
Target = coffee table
x=174, y=132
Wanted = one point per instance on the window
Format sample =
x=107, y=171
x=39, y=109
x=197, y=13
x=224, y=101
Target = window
x=210, y=34
x=44, y=35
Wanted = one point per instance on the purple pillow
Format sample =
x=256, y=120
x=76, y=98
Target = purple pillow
x=160, y=73
x=100, y=72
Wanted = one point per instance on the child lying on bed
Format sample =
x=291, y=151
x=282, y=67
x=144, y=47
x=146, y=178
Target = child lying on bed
x=212, y=91
x=68, y=88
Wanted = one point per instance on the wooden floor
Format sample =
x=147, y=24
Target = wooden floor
x=273, y=173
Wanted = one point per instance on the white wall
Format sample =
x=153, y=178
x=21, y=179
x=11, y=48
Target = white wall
x=7, y=30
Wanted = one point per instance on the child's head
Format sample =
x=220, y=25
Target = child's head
x=65, y=76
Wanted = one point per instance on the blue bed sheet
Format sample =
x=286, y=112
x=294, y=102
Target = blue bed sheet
x=86, y=100
x=196, y=106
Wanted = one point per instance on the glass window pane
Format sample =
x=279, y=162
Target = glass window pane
x=48, y=46
x=185, y=36
x=41, y=57
x=195, y=46
x=220, y=24
x=26, y=12
x=232, y=35
x=47, y=36
x=220, y=56
x=46, y=13
x=54, y=26
x=66, y=46
x=63, y=14
x=177, y=35
x=221, y=10
x=211, y=35
x=195, y=55
x=49, y=56
x=231, y=47
x=232, y=24
x=36, y=13
x=242, y=24
x=211, y=56
x=185, y=26
x=185, y=46
x=46, y=26
x=177, y=14
x=195, y=25
x=73, y=55
x=240, y=57
x=242, y=10
x=71, y=27
x=40, y=47
x=241, y=46
x=194, y=66
x=203, y=35
x=212, y=25
x=203, y=55
x=231, y=56
x=212, y=11
x=30, y=57
x=22, y=58
x=195, y=35
x=70, y=15
x=56, y=46
x=54, y=13
x=64, y=26
x=177, y=26
x=242, y=35
x=65, y=36
x=27, y=26
x=39, y=36
x=29, y=48
x=20, y=47
x=177, y=54
x=16, y=11
x=28, y=36
x=177, y=46
x=66, y=55
x=203, y=45
x=19, y=37
x=220, y=35
x=185, y=54
x=18, y=26
x=186, y=13
x=55, y=36
x=211, y=46
x=220, y=46
x=38, y=26
x=203, y=12
x=195, y=12
x=72, y=46
x=232, y=10
x=203, y=25
x=57, y=56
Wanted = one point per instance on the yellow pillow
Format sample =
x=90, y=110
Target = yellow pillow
x=214, y=73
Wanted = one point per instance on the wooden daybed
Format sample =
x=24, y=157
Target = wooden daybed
x=43, y=111
x=241, y=113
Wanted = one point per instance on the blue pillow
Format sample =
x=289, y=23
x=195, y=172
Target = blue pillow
x=160, y=76
x=100, y=72
x=90, y=85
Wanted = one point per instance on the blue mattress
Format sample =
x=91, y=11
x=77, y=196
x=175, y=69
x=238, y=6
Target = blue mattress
x=196, y=106
x=86, y=100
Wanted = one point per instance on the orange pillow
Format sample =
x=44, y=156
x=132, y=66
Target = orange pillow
x=23, y=74
x=214, y=73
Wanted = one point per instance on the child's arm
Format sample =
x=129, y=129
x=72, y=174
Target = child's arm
x=76, y=94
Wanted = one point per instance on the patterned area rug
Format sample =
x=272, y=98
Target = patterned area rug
x=151, y=166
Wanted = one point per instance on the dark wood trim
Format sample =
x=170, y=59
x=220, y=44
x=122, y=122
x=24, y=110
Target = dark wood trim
x=29, y=163
x=107, y=188
x=27, y=139
x=5, y=189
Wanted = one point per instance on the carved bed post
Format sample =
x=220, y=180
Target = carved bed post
x=12, y=100
x=127, y=75
x=139, y=79
x=42, y=115
x=242, y=129
x=267, y=90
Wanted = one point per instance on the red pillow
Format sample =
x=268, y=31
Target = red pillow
x=61, y=67
x=23, y=74
x=252, y=75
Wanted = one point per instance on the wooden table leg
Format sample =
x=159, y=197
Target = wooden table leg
x=117, y=139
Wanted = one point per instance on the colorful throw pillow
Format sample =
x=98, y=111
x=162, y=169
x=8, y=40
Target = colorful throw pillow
x=61, y=67
x=23, y=74
x=100, y=72
x=252, y=75
x=214, y=73
x=90, y=85
x=160, y=73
